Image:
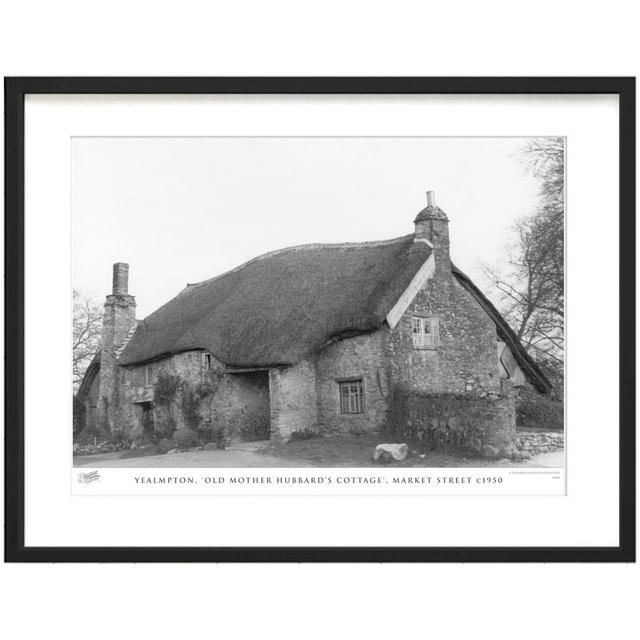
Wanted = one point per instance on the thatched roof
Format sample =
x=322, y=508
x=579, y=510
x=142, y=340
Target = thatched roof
x=89, y=375
x=280, y=307
x=284, y=305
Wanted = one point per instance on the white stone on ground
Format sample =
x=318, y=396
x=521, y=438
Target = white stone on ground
x=396, y=451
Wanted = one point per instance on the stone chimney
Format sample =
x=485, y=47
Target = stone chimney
x=118, y=320
x=432, y=226
x=120, y=278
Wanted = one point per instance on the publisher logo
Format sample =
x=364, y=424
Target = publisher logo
x=90, y=476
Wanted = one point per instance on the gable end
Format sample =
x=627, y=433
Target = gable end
x=419, y=280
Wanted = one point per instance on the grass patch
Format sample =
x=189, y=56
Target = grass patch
x=357, y=451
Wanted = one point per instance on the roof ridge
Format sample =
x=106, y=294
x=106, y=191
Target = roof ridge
x=299, y=247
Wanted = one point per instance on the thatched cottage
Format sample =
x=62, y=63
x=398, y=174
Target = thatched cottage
x=308, y=338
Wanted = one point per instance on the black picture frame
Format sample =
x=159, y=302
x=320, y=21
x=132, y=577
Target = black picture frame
x=15, y=91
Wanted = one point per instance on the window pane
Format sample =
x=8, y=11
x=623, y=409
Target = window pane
x=425, y=332
x=351, y=397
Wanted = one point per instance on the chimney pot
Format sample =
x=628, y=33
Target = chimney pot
x=431, y=198
x=120, y=278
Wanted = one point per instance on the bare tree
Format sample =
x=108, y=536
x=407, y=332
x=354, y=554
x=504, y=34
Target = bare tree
x=87, y=333
x=531, y=287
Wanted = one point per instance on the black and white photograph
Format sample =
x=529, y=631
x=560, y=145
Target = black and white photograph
x=314, y=302
x=365, y=316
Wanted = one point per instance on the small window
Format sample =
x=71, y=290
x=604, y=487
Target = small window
x=425, y=332
x=351, y=397
x=147, y=375
x=207, y=364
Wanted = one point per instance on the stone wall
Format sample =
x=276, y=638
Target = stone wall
x=480, y=424
x=359, y=357
x=453, y=394
x=465, y=360
x=241, y=403
x=293, y=400
x=533, y=442
x=134, y=392
x=187, y=365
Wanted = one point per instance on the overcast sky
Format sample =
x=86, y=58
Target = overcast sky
x=182, y=210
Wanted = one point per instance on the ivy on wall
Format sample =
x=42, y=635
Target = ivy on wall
x=196, y=403
x=165, y=391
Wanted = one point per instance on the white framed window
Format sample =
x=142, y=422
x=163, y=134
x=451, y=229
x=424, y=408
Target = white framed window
x=425, y=332
x=147, y=375
x=351, y=396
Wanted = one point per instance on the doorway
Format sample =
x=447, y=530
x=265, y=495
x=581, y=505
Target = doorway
x=146, y=419
x=250, y=405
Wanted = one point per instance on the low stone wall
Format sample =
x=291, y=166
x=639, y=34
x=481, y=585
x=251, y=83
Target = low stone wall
x=482, y=425
x=531, y=443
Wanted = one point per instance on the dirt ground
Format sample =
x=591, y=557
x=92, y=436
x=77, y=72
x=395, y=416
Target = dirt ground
x=337, y=451
x=227, y=458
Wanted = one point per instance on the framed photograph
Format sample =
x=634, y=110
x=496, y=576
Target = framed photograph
x=320, y=319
